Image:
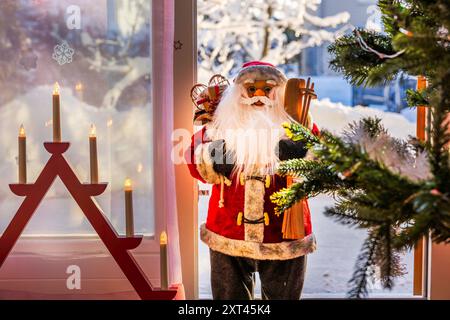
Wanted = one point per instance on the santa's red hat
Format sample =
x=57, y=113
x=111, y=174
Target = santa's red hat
x=258, y=70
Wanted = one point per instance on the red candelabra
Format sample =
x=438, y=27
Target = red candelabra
x=83, y=193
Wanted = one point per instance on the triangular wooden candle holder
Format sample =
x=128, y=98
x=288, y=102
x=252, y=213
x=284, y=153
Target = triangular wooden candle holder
x=118, y=246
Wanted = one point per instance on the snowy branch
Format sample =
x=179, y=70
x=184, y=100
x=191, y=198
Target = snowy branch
x=380, y=55
x=231, y=32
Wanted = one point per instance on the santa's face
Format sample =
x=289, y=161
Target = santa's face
x=259, y=92
x=249, y=119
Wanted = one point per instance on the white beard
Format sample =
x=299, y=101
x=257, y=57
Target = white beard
x=251, y=133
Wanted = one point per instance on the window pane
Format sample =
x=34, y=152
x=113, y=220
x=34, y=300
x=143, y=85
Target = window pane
x=294, y=35
x=99, y=52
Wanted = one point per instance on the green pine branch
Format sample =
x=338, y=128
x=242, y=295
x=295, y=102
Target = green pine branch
x=297, y=132
x=345, y=213
x=396, y=209
x=356, y=63
x=364, y=268
x=297, y=167
x=371, y=195
x=415, y=98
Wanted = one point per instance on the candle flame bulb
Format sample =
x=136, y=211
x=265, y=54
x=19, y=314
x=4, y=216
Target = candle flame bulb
x=93, y=154
x=128, y=185
x=22, y=131
x=163, y=238
x=93, y=132
x=79, y=86
x=22, y=155
x=56, y=89
x=56, y=114
x=129, y=219
x=164, y=270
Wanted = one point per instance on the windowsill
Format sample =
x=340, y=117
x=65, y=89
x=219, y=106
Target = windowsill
x=75, y=244
x=75, y=236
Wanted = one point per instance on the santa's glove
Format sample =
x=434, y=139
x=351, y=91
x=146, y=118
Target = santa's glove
x=223, y=162
x=288, y=149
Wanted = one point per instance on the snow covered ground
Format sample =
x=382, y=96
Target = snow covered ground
x=335, y=117
x=331, y=266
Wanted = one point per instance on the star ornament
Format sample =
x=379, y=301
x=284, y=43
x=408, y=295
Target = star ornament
x=178, y=45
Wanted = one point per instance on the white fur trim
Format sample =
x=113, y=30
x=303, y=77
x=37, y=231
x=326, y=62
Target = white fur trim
x=260, y=72
x=254, y=250
x=204, y=164
x=254, y=209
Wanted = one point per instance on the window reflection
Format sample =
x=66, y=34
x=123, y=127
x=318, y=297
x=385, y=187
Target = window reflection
x=99, y=52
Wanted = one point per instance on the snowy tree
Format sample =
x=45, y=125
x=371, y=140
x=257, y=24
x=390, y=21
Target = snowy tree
x=124, y=55
x=115, y=59
x=231, y=32
x=16, y=55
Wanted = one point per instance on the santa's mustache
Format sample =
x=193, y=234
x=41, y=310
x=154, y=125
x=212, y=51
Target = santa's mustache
x=249, y=101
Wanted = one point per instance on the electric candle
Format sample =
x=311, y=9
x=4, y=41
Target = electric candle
x=56, y=114
x=22, y=155
x=163, y=261
x=129, y=208
x=93, y=155
x=79, y=91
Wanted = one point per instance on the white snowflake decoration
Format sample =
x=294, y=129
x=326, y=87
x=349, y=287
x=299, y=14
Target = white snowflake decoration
x=63, y=53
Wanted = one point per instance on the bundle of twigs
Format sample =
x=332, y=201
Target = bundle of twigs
x=297, y=99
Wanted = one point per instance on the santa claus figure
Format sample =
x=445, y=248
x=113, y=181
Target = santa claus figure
x=238, y=153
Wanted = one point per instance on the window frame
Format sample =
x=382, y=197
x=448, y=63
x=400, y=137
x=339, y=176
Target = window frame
x=185, y=76
x=88, y=249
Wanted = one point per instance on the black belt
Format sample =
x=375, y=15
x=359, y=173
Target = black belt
x=258, y=221
x=265, y=180
x=262, y=179
x=264, y=219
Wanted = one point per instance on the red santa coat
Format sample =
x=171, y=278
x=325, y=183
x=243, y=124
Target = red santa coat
x=245, y=203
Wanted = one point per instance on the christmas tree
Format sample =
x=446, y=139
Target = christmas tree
x=398, y=190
